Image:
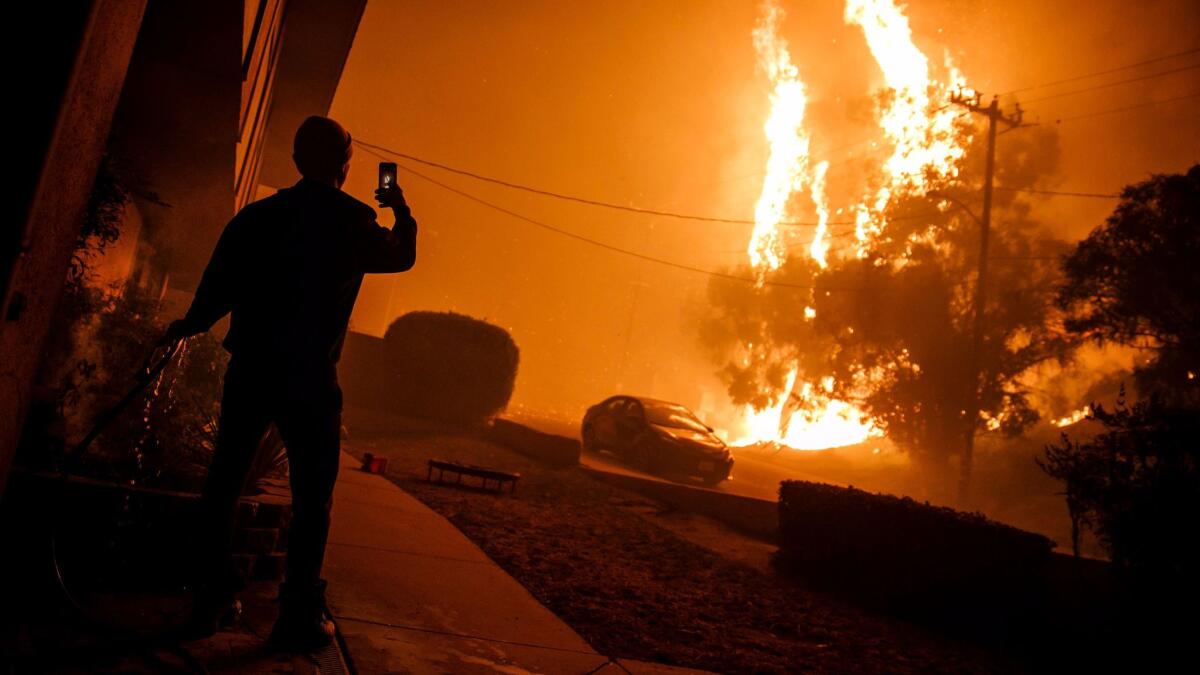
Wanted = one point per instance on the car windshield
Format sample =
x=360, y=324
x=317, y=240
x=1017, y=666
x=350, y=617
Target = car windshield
x=677, y=416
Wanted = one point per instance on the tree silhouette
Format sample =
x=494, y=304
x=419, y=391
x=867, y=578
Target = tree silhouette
x=1137, y=486
x=1135, y=281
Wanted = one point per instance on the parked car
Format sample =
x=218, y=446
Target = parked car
x=658, y=437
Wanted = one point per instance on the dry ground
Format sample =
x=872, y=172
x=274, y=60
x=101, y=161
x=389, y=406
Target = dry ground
x=633, y=588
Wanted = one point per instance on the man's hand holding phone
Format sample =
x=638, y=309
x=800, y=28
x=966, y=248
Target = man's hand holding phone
x=391, y=197
x=389, y=193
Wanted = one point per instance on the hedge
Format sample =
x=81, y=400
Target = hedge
x=911, y=557
x=448, y=366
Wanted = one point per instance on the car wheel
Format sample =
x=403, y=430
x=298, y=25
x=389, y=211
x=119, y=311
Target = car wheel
x=589, y=439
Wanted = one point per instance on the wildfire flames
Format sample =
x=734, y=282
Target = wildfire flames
x=1074, y=417
x=918, y=121
x=787, y=166
x=915, y=121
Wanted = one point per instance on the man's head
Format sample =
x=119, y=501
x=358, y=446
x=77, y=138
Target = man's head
x=322, y=150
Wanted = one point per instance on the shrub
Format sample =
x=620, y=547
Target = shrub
x=450, y=367
x=1137, y=486
x=910, y=557
x=99, y=338
x=167, y=436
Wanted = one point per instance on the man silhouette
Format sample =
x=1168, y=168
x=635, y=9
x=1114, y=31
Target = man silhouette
x=287, y=269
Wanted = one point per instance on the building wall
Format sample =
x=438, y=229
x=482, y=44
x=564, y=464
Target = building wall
x=186, y=97
x=78, y=100
x=42, y=89
x=176, y=129
x=262, y=41
x=317, y=39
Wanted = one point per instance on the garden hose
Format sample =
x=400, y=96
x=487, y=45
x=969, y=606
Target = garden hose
x=144, y=643
x=150, y=370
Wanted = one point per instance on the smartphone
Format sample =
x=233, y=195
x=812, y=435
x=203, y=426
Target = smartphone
x=387, y=175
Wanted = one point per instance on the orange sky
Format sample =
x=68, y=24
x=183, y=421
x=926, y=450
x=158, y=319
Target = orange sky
x=660, y=105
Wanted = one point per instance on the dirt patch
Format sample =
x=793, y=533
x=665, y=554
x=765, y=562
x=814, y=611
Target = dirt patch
x=633, y=588
x=707, y=533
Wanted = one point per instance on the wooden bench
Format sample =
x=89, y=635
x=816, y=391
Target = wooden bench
x=484, y=473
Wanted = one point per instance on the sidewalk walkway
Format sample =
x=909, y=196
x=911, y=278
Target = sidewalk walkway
x=412, y=594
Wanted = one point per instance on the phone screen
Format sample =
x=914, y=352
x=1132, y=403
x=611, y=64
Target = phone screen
x=387, y=174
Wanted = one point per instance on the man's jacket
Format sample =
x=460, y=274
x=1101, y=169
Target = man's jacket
x=288, y=268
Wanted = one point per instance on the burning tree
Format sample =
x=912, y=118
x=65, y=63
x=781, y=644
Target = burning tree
x=890, y=331
x=875, y=322
x=1134, y=281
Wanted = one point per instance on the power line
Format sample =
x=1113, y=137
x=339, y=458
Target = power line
x=1088, y=76
x=376, y=149
x=1058, y=193
x=1112, y=111
x=830, y=235
x=595, y=202
x=610, y=247
x=571, y=198
x=1113, y=84
x=627, y=252
x=1026, y=257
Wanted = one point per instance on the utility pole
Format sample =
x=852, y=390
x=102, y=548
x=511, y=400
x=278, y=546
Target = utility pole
x=992, y=112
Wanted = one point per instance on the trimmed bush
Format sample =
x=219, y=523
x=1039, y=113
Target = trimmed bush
x=910, y=557
x=451, y=367
x=363, y=372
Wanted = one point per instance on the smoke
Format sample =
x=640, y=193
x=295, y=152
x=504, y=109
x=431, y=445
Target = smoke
x=662, y=105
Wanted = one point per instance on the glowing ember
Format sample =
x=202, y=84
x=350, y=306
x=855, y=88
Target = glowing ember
x=787, y=166
x=1074, y=417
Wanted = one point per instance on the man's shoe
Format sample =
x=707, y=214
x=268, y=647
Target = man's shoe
x=210, y=613
x=304, y=624
x=215, y=583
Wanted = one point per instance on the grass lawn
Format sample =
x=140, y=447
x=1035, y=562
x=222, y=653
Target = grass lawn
x=636, y=589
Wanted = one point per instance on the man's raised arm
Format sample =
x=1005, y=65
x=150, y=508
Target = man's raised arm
x=395, y=250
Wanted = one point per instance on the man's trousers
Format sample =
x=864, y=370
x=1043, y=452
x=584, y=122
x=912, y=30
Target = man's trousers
x=305, y=405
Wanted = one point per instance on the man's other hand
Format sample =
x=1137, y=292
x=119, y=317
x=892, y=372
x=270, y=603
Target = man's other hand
x=178, y=330
x=391, y=197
